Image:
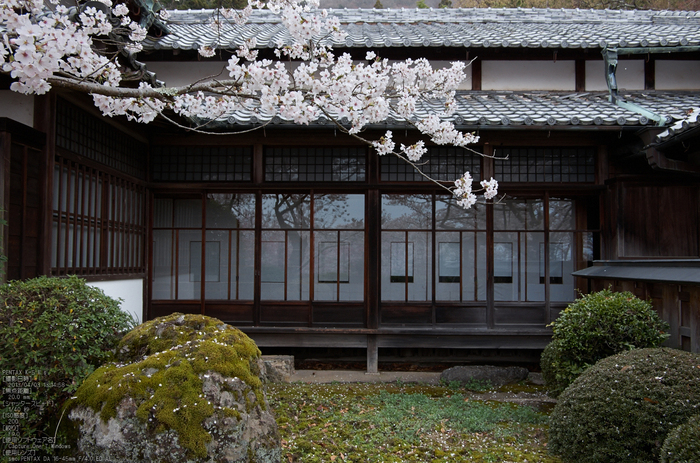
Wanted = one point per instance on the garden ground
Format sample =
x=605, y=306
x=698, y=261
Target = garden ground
x=408, y=417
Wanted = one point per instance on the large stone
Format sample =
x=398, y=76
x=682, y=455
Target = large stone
x=278, y=368
x=496, y=376
x=185, y=388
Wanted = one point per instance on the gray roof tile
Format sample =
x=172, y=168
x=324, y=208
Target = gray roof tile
x=470, y=27
x=512, y=109
x=692, y=120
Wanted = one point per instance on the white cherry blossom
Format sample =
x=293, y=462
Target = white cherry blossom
x=41, y=48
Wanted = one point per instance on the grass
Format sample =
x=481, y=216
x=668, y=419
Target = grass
x=402, y=422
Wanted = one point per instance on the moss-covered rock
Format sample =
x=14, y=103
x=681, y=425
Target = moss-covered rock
x=683, y=443
x=183, y=387
x=622, y=408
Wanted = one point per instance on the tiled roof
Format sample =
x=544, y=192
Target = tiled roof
x=529, y=109
x=454, y=27
x=692, y=120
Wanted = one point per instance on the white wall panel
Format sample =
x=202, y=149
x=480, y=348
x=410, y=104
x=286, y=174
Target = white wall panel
x=630, y=75
x=17, y=106
x=131, y=291
x=677, y=75
x=528, y=75
x=184, y=73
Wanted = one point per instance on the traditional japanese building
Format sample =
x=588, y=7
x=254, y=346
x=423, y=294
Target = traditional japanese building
x=303, y=238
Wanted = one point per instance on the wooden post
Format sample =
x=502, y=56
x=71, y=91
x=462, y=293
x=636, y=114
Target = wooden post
x=694, y=304
x=670, y=311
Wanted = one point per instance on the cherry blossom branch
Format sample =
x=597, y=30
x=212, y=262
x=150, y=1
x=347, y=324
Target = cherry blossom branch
x=80, y=48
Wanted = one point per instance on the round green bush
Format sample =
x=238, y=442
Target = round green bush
x=683, y=443
x=596, y=326
x=55, y=332
x=622, y=408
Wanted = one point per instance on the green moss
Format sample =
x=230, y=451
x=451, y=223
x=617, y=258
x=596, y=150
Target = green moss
x=160, y=365
x=523, y=386
x=350, y=423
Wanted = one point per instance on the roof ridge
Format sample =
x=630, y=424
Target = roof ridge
x=460, y=15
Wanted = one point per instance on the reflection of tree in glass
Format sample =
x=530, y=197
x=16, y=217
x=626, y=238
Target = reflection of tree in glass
x=450, y=215
x=288, y=211
x=406, y=212
x=229, y=210
x=561, y=214
x=339, y=211
x=519, y=214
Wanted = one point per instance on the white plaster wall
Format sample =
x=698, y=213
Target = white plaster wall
x=466, y=83
x=17, y=106
x=677, y=75
x=528, y=75
x=176, y=74
x=630, y=75
x=131, y=291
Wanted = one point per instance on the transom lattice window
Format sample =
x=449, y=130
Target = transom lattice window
x=201, y=164
x=315, y=164
x=545, y=165
x=439, y=163
x=83, y=134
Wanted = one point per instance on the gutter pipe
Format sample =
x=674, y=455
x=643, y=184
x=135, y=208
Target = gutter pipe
x=610, y=57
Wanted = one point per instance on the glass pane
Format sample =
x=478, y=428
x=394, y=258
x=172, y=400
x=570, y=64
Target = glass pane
x=449, y=266
x=217, y=265
x=401, y=212
x=242, y=264
x=56, y=182
x=286, y=211
x=298, y=254
x=561, y=214
x=339, y=211
x=332, y=265
x=188, y=213
x=450, y=216
x=230, y=211
x=285, y=258
x=69, y=256
x=339, y=266
x=406, y=266
x=354, y=290
x=394, y=274
x=561, y=265
x=273, y=260
x=189, y=264
x=420, y=289
x=470, y=278
x=480, y=266
x=505, y=266
x=518, y=214
x=532, y=259
x=55, y=244
x=163, y=252
x=84, y=239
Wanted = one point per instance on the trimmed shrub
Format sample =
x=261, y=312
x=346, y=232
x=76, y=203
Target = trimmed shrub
x=59, y=330
x=596, y=326
x=622, y=408
x=683, y=443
